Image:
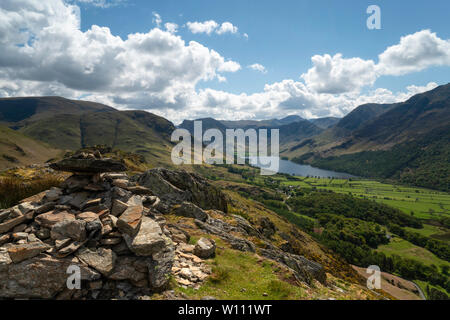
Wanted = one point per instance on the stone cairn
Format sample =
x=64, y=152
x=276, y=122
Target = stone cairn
x=105, y=224
x=112, y=227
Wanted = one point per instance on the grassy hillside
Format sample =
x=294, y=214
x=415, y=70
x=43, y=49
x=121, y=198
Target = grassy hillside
x=133, y=131
x=70, y=125
x=325, y=123
x=17, y=111
x=406, y=141
x=17, y=149
x=423, y=162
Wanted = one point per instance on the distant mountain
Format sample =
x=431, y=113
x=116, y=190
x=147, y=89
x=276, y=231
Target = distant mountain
x=361, y=115
x=70, y=125
x=294, y=129
x=272, y=123
x=207, y=123
x=290, y=119
x=325, y=123
x=297, y=131
x=17, y=110
x=406, y=121
x=409, y=141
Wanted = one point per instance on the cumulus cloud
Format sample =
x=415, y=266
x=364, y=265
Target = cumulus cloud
x=202, y=27
x=44, y=43
x=337, y=75
x=258, y=67
x=415, y=52
x=227, y=27
x=211, y=26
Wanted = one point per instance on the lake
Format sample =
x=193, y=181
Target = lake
x=303, y=170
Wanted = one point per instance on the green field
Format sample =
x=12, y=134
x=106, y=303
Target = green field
x=422, y=203
x=408, y=250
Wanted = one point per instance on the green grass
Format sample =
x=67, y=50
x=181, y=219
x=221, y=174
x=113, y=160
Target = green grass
x=239, y=275
x=423, y=285
x=423, y=203
x=429, y=231
x=408, y=250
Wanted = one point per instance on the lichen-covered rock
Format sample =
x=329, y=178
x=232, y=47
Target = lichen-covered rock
x=180, y=185
x=40, y=277
x=20, y=252
x=148, y=240
x=9, y=224
x=190, y=210
x=130, y=220
x=160, y=267
x=205, y=248
x=49, y=219
x=101, y=259
x=73, y=229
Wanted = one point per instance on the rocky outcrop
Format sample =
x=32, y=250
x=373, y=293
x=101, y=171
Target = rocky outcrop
x=304, y=269
x=178, y=185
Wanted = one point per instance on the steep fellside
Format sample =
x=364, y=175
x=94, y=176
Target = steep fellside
x=17, y=149
x=325, y=123
x=409, y=141
x=15, y=111
x=70, y=125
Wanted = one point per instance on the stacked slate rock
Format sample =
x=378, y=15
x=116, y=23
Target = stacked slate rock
x=97, y=220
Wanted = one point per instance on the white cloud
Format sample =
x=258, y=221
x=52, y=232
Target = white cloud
x=227, y=27
x=53, y=50
x=156, y=19
x=337, y=75
x=202, y=27
x=258, y=67
x=415, y=52
x=245, y=36
x=171, y=27
x=101, y=3
x=211, y=26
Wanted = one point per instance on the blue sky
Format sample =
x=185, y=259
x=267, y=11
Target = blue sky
x=224, y=59
x=284, y=35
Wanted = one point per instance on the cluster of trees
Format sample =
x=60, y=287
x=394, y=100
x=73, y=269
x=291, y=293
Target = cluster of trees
x=348, y=206
x=355, y=231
